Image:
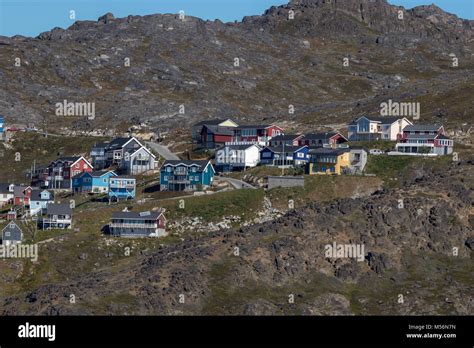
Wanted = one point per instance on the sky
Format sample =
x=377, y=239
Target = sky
x=31, y=17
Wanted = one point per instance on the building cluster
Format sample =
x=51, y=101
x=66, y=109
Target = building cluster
x=110, y=170
x=239, y=147
x=111, y=167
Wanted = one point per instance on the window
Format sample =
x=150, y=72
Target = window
x=168, y=169
x=7, y=234
x=165, y=178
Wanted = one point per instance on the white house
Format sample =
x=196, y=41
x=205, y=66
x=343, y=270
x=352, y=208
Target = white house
x=6, y=194
x=425, y=139
x=377, y=128
x=232, y=156
x=139, y=161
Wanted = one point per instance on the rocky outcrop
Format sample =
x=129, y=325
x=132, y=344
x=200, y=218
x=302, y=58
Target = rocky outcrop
x=281, y=266
x=143, y=68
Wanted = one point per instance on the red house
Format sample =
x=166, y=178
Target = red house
x=259, y=134
x=22, y=195
x=60, y=171
x=214, y=135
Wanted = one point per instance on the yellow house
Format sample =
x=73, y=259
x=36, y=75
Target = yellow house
x=326, y=161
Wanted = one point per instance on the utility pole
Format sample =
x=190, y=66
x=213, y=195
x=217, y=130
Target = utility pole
x=283, y=161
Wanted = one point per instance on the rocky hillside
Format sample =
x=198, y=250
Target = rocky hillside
x=421, y=251
x=251, y=70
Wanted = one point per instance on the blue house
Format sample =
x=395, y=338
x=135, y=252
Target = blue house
x=180, y=175
x=39, y=201
x=122, y=187
x=2, y=128
x=284, y=155
x=94, y=182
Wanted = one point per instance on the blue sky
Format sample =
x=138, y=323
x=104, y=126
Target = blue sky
x=31, y=17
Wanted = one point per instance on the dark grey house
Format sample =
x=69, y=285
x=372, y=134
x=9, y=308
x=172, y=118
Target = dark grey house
x=11, y=234
x=58, y=215
x=138, y=224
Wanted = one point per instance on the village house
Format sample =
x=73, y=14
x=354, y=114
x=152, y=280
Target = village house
x=138, y=224
x=284, y=155
x=357, y=160
x=258, y=134
x=98, y=156
x=424, y=139
x=12, y=214
x=213, y=136
x=21, y=195
x=140, y=161
x=92, y=182
x=237, y=157
x=367, y=128
x=11, y=234
x=178, y=175
x=122, y=187
x=328, y=161
x=38, y=175
x=58, y=216
x=62, y=170
x=287, y=139
x=6, y=194
x=128, y=154
x=39, y=201
x=198, y=127
x=323, y=139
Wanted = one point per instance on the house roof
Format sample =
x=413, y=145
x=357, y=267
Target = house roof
x=72, y=159
x=279, y=149
x=200, y=164
x=36, y=195
x=239, y=147
x=422, y=128
x=59, y=209
x=19, y=191
x=147, y=215
x=144, y=148
x=99, y=173
x=214, y=122
x=321, y=136
x=421, y=136
x=119, y=142
x=4, y=188
x=328, y=151
x=286, y=137
x=94, y=174
x=261, y=126
x=378, y=119
x=125, y=177
x=220, y=130
x=68, y=159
